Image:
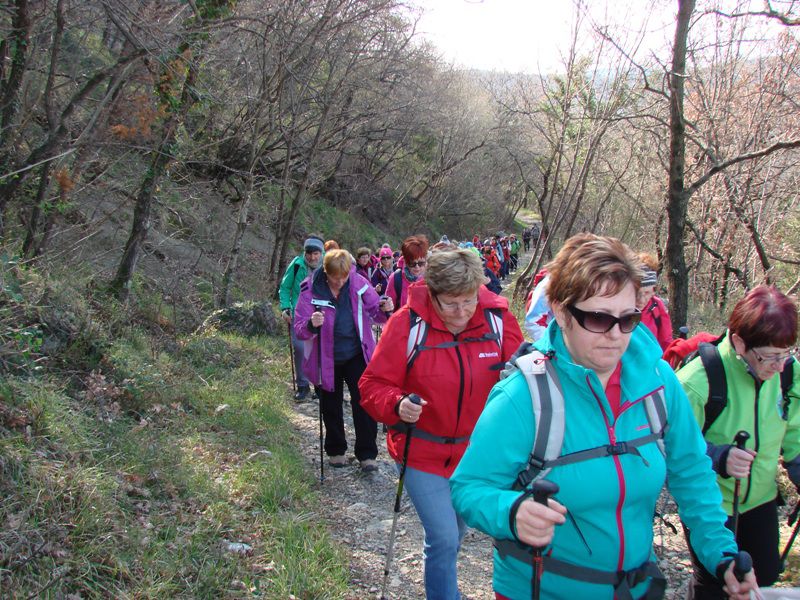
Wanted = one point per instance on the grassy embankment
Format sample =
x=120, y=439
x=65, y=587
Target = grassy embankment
x=130, y=462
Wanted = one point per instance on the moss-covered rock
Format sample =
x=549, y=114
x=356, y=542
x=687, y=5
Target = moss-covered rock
x=245, y=318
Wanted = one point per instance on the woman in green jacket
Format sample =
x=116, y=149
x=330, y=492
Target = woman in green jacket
x=762, y=330
x=605, y=378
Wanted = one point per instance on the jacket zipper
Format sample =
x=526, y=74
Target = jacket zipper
x=612, y=438
x=756, y=438
x=460, y=395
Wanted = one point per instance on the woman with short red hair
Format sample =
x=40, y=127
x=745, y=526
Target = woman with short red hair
x=758, y=346
x=415, y=259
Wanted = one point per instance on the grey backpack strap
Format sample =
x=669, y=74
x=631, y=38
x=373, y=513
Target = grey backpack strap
x=656, y=410
x=548, y=410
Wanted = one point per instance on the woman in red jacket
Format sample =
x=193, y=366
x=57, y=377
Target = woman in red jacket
x=654, y=314
x=455, y=333
x=492, y=263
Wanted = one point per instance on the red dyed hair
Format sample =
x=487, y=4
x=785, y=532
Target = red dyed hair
x=765, y=317
x=414, y=247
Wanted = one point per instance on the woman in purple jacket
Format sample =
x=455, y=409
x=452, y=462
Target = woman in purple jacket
x=334, y=316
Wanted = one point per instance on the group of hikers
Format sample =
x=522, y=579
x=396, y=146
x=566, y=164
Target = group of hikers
x=557, y=448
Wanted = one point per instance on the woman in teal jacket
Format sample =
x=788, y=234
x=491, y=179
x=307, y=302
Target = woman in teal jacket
x=762, y=330
x=609, y=373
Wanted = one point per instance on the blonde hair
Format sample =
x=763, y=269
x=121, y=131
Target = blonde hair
x=588, y=265
x=455, y=272
x=337, y=263
x=649, y=260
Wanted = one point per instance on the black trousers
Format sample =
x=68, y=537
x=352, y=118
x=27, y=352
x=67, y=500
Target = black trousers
x=332, y=405
x=759, y=535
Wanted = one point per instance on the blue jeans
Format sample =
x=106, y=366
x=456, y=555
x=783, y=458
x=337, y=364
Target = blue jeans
x=444, y=530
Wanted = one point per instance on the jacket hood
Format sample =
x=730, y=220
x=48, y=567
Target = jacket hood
x=420, y=301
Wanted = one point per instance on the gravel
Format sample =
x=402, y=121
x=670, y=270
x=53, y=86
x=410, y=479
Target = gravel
x=358, y=508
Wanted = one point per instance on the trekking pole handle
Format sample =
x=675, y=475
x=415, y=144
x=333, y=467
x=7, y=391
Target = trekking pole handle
x=742, y=564
x=543, y=489
x=415, y=399
x=741, y=439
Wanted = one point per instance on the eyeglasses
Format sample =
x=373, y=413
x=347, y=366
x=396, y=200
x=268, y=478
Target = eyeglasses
x=779, y=359
x=417, y=263
x=454, y=306
x=600, y=322
x=386, y=258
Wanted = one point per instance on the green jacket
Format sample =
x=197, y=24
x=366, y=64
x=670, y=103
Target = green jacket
x=514, y=247
x=289, y=290
x=755, y=408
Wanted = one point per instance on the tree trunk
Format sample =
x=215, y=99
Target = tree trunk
x=233, y=258
x=40, y=205
x=121, y=285
x=678, y=199
x=19, y=41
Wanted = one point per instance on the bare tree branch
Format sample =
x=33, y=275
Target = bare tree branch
x=787, y=145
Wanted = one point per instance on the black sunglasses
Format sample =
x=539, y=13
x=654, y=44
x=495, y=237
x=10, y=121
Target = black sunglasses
x=600, y=322
x=417, y=263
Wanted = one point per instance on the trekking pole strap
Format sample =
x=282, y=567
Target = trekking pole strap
x=622, y=581
x=424, y=435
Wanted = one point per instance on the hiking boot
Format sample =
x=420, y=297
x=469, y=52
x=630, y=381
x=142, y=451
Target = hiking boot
x=338, y=461
x=369, y=465
x=301, y=394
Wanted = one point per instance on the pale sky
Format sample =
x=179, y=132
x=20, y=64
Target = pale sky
x=531, y=35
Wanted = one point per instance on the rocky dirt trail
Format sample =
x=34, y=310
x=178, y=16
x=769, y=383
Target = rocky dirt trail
x=358, y=508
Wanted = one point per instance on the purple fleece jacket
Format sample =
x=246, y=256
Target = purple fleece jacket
x=318, y=351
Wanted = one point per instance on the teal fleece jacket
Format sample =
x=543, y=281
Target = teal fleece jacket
x=289, y=289
x=611, y=499
x=755, y=407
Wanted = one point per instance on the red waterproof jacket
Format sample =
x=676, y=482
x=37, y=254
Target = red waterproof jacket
x=493, y=263
x=656, y=318
x=454, y=381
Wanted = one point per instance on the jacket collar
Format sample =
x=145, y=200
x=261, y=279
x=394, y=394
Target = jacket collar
x=737, y=365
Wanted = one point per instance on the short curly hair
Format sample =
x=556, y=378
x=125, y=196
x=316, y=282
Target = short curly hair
x=337, y=263
x=454, y=271
x=590, y=264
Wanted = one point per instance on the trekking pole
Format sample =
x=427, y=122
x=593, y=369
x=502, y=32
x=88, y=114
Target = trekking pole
x=319, y=411
x=791, y=521
x=739, y=441
x=542, y=490
x=291, y=356
x=409, y=433
x=318, y=306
